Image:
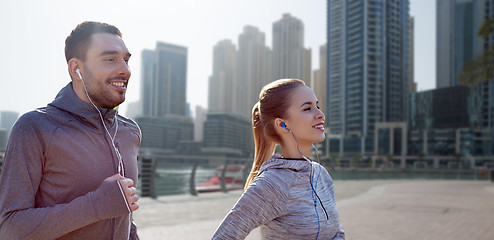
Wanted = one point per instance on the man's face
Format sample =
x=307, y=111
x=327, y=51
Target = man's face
x=106, y=70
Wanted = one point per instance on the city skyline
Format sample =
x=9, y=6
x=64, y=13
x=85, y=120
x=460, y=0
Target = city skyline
x=34, y=71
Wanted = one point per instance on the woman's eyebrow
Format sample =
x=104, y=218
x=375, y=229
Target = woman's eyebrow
x=306, y=103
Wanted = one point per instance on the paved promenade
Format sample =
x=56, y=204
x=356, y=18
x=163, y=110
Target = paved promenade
x=391, y=209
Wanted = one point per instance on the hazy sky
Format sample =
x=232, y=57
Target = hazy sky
x=33, y=67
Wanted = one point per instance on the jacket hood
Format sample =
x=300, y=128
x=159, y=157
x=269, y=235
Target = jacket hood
x=277, y=162
x=67, y=100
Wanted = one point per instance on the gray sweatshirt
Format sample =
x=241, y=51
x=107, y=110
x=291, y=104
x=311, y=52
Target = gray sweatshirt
x=52, y=175
x=280, y=201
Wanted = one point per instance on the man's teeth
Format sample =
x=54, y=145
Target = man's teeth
x=118, y=84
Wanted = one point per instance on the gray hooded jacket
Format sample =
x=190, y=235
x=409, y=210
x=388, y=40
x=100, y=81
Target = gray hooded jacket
x=280, y=200
x=52, y=175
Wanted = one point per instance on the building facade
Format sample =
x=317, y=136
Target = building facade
x=221, y=82
x=7, y=120
x=171, y=80
x=164, y=80
x=442, y=122
x=457, y=42
x=290, y=58
x=319, y=80
x=457, y=22
x=227, y=134
x=367, y=69
x=164, y=134
x=148, y=80
x=253, y=69
x=164, y=117
x=411, y=78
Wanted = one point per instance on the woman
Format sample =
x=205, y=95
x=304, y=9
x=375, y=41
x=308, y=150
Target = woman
x=287, y=195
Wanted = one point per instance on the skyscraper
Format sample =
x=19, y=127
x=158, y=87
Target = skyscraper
x=319, y=80
x=221, y=91
x=7, y=120
x=290, y=58
x=164, y=121
x=367, y=68
x=253, y=69
x=148, y=80
x=411, y=78
x=171, y=80
x=457, y=23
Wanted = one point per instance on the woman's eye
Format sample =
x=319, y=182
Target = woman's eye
x=307, y=109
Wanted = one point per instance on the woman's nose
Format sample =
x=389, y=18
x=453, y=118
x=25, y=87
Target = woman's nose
x=320, y=114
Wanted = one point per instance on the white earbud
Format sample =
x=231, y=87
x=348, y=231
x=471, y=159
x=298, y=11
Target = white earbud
x=79, y=73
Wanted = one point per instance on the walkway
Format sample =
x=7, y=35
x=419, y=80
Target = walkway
x=391, y=209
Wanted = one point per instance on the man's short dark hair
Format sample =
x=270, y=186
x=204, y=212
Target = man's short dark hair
x=78, y=41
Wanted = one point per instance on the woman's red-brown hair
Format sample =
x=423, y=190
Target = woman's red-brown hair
x=273, y=103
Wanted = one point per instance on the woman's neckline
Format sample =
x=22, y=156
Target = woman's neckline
x=300, y=159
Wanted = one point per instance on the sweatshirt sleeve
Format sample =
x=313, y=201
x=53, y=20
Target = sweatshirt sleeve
x=340, y=235
x=21, y=174
x=261, y=202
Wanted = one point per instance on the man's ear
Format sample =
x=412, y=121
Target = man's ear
x=73, y=65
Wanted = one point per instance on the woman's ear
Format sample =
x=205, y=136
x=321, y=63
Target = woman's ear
x=281, y=125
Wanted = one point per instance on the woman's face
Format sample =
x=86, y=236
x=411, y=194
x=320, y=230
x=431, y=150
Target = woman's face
x=305, y=120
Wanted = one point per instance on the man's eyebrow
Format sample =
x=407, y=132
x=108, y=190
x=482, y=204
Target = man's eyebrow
x=110, y=52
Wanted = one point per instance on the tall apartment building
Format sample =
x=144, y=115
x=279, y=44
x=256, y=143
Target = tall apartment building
x=163, y=120
x=164, y=80
x=253, y=69
x=171, y=79
x=411, y=78
x=367, y=69
x=3, y=141
x=290, y=58
x=221, y=86
x=7, y=120
x=457, y=23
x=319, y=80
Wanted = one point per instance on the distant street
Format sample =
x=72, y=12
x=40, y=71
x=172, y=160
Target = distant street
x=377, y=209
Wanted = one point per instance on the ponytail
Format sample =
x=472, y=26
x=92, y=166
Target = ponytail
x=264, y=148
x=273, y=103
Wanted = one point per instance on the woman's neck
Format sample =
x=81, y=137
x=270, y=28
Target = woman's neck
x=289, y=151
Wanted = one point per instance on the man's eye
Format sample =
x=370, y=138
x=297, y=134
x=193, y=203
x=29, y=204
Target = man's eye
x=110, y=59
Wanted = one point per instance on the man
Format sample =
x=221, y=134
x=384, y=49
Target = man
x=70, y=167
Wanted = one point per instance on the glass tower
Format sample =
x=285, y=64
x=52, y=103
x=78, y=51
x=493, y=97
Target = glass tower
x=367, y=69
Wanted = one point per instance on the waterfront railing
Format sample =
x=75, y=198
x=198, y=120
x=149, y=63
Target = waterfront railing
x=171, y=176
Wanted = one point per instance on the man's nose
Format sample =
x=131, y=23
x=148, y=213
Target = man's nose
x=124, y=69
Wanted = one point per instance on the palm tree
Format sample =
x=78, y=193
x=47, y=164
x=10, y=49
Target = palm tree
x=388, y=156
x=356, y=158
x=481, y=68
x=458, y=156
x=335, y=158
x=477, y=71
